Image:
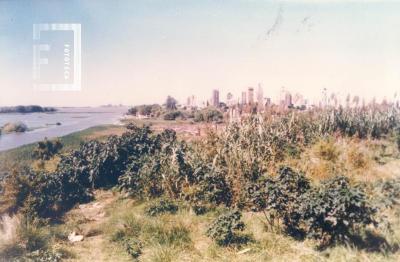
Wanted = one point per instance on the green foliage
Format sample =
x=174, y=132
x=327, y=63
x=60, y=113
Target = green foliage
x=163, y=170
x=99, y=164
x=209, y=185
x=279, y=196
x=173, y=115
x=52, y=194
x=224, y=230
x=161, y=207
x=146, y=110
x=209, y=114
x=41, y=256
x=200, y=210
x=333, y=212
x=47, y=149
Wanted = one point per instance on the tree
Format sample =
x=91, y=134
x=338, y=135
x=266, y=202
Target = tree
x=170, y=103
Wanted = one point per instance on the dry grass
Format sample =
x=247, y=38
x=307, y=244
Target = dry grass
x=360, y=160
x=267, y=246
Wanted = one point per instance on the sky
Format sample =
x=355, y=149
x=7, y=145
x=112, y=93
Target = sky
x=136, y=52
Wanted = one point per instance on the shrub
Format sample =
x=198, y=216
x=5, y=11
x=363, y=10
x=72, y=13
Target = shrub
x=41, y=194
x=279, y=196
x=208, y=115
x=209, y=186
x=224, y=230
x=200, y=210
x=162, y=207
x=334, y=212
x=163, y=170
x=47, y=149
x=172, y=115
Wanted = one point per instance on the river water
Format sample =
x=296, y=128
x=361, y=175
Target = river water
x=43, y=125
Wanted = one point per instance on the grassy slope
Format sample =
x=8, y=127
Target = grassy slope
x=181, y=237
x=100, y=221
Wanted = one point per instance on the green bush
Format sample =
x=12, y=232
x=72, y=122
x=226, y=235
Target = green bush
x=279, y=196
x=163, y=170
x=208, y=115
x=224, y=230
x=209, y=186
x=172, y=115
x=47, y=149
x=161, y=207
x=200, y=210
x=333, y=212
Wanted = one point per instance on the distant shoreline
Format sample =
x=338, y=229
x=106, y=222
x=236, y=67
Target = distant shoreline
x=26, y=109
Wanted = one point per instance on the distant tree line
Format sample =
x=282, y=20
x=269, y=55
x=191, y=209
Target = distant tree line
x=26, y=109
x=170, y=111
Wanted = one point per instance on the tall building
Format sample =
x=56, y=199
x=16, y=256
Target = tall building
x=288, y=100
x=250, y=95
x=215, y=98
x=260, y=95
x=244, y=98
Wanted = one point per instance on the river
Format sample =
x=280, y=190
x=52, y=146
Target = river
x=43, y=125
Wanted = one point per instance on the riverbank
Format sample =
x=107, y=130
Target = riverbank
x=23, y=155
x=63, y=122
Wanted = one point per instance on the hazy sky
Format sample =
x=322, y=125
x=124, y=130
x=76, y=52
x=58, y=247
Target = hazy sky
x=137, y=52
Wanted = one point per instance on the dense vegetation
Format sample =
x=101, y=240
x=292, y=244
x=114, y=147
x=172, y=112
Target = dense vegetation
x=241, y=168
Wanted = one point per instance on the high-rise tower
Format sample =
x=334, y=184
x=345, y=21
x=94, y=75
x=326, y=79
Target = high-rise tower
x=250, y=95
x=215, y=98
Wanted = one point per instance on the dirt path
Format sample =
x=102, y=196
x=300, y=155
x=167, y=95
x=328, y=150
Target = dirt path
x=88, y=220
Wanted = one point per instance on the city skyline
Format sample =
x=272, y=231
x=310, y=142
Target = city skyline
x=138, y=52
